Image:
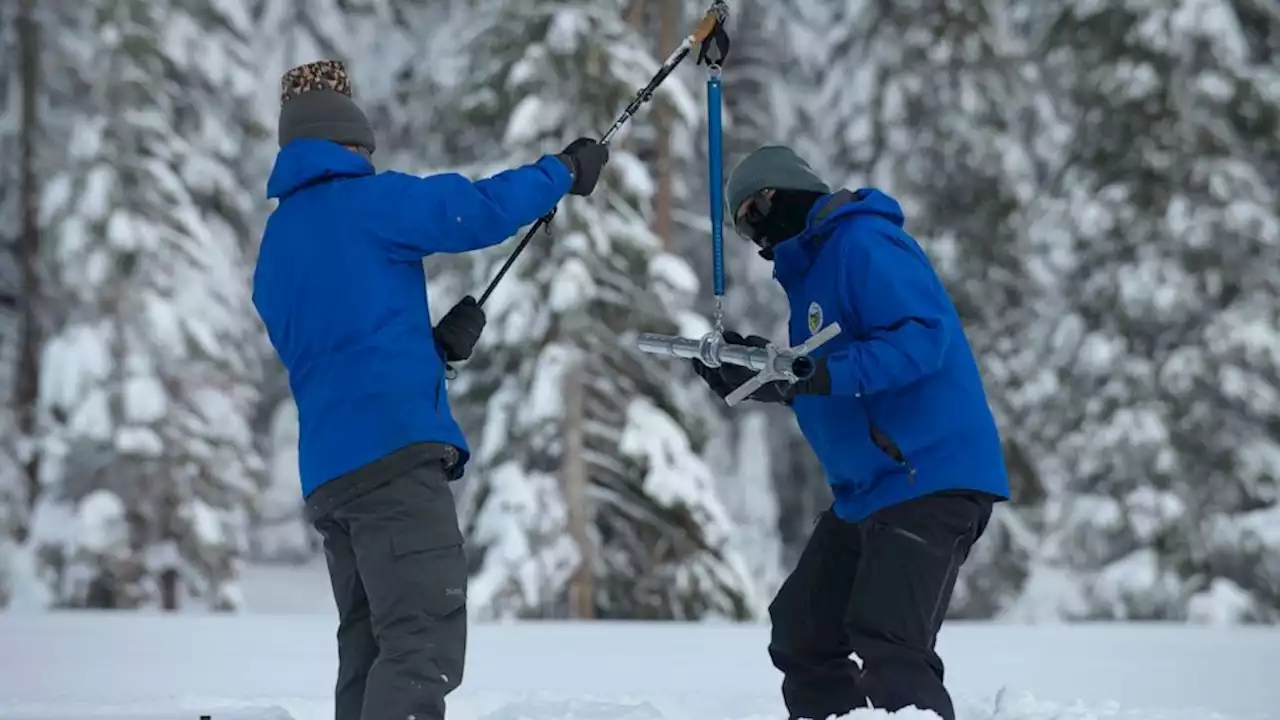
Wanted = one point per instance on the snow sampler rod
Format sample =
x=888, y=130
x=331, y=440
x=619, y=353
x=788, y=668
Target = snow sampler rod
x=715, y=15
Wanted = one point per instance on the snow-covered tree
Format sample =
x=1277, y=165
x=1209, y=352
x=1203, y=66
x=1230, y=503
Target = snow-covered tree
x=656, y=541
x=11, y=483
x=1166, y=382
x=761, y=78
x=32, y=62
x=422, y=52
x=10, y=183
x=149, y=471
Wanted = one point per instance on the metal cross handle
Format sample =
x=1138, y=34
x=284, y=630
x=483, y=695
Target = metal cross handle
x=791, y=364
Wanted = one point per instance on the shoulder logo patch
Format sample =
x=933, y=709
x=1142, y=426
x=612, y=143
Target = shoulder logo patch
x=815, y=318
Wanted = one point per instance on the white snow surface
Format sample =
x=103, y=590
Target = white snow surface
x=278, y=663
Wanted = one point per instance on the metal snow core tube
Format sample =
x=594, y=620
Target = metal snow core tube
x=714, y=352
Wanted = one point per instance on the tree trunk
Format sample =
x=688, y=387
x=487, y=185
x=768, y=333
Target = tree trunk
x=638, y=19
x=169, y=590
x=574, y=476
x=636, y=15
x=28, y=378
x=664, y=200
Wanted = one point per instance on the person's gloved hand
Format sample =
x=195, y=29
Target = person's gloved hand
x=727, y=378
x=585, y=159
x=459, y=330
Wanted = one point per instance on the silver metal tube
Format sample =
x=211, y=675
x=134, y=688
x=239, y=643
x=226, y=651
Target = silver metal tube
x=668, y=345
x=754, y=358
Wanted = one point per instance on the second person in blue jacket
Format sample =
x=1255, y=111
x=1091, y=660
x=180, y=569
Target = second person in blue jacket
x=897, y=415
x=339, y=285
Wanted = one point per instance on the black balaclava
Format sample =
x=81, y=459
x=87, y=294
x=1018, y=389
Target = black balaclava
x=786, y=216
x=779, y=214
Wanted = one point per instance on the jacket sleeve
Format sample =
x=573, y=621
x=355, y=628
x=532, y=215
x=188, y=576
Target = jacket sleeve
x=903, y=306
x=450, y=213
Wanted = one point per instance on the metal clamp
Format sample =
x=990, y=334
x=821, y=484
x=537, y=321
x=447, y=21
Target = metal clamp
x=791, y=364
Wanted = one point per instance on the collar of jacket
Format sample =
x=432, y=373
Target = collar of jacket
x=793, y=257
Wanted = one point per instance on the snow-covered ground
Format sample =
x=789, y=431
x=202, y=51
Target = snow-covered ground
x=287, y=588
x=276, y=665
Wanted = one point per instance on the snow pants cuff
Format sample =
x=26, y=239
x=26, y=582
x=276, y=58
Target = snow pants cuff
x=399, y=574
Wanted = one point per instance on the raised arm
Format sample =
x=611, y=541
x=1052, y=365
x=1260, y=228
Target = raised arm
x=449, y=213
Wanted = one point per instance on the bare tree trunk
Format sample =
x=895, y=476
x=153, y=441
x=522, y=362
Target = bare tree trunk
x=574, y=475
x=28, y=378
x=664, y=201
x=636, y=15
x=169, y=590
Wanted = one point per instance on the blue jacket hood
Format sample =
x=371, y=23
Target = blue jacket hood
x=796, y=254
x=866, y=201
x=308, y=161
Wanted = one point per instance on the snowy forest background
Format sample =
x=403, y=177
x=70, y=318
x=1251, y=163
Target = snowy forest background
x=1097, y=180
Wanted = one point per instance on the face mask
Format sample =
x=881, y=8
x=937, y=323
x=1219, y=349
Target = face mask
x=770, y=217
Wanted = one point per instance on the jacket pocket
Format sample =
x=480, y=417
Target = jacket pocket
x=886, y=445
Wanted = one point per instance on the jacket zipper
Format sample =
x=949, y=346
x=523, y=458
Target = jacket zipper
x=887, y=446
x=440, y=387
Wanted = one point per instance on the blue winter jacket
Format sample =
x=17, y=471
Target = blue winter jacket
x=907, y=415
x=340, y=287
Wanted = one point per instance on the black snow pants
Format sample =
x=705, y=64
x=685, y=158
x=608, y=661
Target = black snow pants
x=399, y=575
x=877, y=589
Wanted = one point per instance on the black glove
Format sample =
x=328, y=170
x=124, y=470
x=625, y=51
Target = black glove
x=585, y=158
x=727, y=378
x=459, y=330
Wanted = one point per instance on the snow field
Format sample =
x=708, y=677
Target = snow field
x=66, y=666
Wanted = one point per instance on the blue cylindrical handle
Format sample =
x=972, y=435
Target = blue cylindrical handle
x=715, y=180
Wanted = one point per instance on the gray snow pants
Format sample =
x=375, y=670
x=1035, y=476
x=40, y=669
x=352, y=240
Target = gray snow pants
x=399, y=575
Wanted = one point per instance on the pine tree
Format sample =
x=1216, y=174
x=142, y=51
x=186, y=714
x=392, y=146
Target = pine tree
x=10, y=222
x=13, y=501
x=656, y=539
x=32, y=61
x=1166, y=377
x=12, y=484
x=150, y=468
x=671, y=139
x=421, y=53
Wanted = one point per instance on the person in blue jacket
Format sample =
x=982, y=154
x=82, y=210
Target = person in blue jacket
x=896, y=413
x=339, y=285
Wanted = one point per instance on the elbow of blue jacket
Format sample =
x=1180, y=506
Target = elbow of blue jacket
x=938, y=339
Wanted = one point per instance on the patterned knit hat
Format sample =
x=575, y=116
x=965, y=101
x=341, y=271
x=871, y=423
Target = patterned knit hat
x=316, y=102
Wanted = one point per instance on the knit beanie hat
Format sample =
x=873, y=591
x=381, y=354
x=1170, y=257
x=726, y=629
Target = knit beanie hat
x=772, y=166
x=316, y=102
